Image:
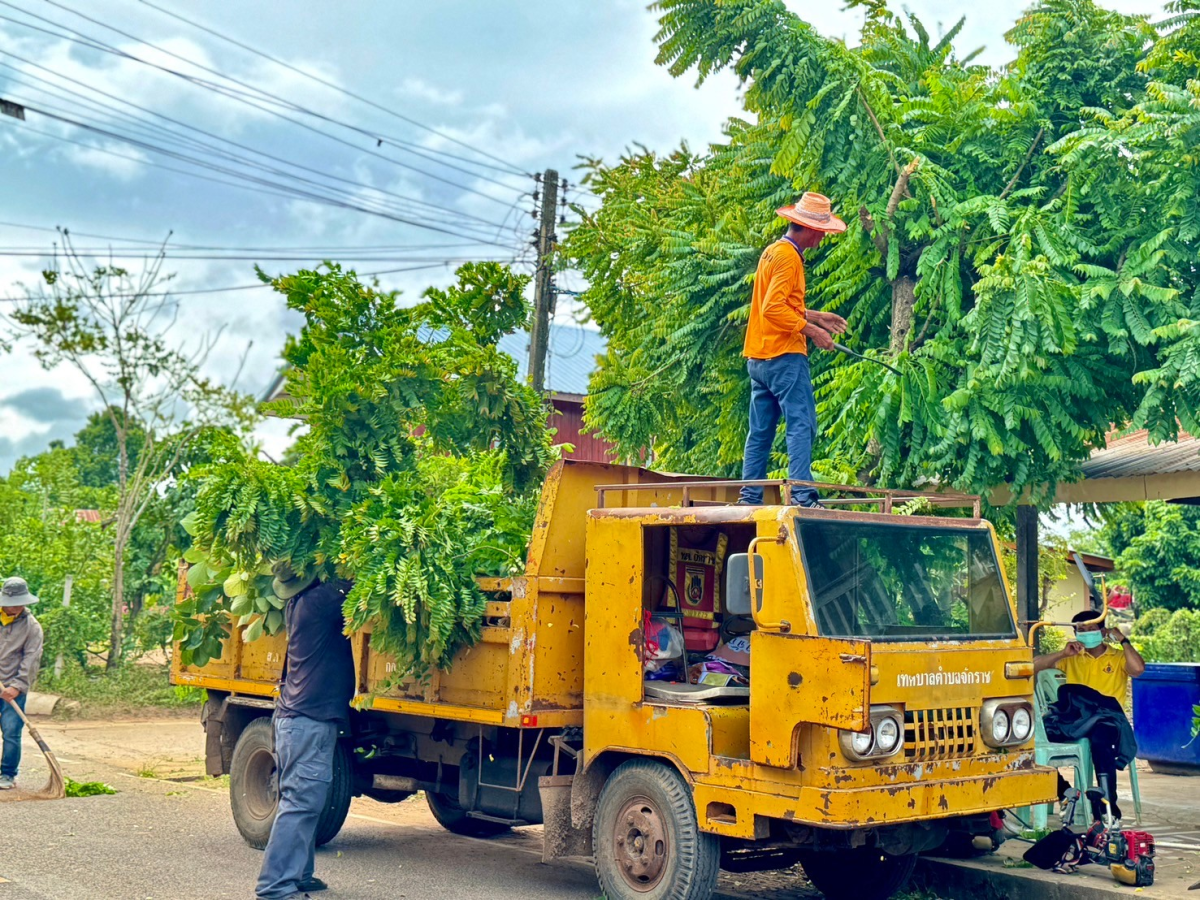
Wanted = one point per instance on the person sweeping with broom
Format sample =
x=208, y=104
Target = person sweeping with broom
x=20, y=656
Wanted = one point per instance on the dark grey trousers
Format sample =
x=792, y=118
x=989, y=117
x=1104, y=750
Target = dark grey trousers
x=304, y=750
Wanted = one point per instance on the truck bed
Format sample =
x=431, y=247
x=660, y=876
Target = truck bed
x=527, y=669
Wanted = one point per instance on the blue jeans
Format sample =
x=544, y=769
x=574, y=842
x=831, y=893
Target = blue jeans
x=304, y=751
x=780, y=386
x=11, y=727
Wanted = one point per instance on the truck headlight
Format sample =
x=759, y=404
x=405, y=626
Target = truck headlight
x=887, y=735
x=1000, y=726
x=862, y=742
x=1006, y=721
x=882, y=740
x=1022, y=724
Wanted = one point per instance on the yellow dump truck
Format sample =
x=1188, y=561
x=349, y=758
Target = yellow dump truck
x=679, y=684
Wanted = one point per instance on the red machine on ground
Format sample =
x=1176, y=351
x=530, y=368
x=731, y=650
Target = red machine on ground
x=1128, y=854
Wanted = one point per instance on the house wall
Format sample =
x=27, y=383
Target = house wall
x=1067, y=597
x=568, y=419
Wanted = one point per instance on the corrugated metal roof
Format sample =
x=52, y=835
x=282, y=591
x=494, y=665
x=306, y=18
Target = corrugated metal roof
x=1134, y=456
x=570, y=359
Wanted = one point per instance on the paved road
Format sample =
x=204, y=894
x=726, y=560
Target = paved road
x=167, y=840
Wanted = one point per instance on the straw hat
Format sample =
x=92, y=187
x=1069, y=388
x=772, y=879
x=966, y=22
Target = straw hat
x=813, y=211
x=16, y=593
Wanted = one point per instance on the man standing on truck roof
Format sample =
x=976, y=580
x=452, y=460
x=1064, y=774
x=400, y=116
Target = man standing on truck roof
x=20, y=656
x=313, y=706
x=1090, y=661
x=776, y=349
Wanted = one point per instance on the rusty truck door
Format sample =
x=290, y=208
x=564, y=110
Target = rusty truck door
x=796, y=678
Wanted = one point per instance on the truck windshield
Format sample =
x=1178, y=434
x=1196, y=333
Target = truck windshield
x=902, y=582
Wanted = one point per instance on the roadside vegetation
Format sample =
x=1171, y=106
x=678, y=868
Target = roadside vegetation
x=131, y=689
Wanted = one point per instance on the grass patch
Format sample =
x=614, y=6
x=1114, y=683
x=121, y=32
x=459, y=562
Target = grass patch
x=88, y=788
x=129, y=690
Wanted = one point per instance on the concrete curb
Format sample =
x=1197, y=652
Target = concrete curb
x=970, y=880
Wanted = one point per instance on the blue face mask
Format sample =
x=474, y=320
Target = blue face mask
x=1090, y=639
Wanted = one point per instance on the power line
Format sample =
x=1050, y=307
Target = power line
x=511, y=166
x=158, y=242
x=264, y=154
x=253, y=100
x=307, y=257
x=292, y=190
x=446, y=219
x=239, y=287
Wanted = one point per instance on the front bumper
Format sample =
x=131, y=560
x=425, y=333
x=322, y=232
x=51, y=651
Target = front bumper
x=872, y=807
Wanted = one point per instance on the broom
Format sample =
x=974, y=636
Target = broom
x=56, y=787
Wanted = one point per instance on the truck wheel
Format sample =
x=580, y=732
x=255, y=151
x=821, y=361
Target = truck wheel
x=454, y=818
x=859, y=874
x=254, y=787
x=647, y=842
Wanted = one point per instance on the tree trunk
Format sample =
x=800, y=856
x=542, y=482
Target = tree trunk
x=118, y=603
x=903, y=299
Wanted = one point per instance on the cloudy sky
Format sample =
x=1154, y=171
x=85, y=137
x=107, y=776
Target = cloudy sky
x=532, y=85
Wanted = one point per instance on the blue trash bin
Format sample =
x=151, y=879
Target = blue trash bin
x=1162, y=716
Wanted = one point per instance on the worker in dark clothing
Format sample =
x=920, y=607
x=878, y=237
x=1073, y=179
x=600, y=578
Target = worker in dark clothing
x=313, y=706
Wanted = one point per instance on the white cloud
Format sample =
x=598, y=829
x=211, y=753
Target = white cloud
x=423, y=90
x=125, y=165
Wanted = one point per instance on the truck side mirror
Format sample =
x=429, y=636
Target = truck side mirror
x=738, y=590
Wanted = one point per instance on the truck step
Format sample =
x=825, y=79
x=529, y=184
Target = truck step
x=484, y=817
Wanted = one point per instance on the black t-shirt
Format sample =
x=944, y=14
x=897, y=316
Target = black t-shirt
x=319, y=681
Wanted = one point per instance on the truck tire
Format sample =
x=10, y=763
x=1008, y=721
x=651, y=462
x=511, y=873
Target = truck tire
x=454, y=818
x=647, y=842
x=254, y=787
x=859, y=874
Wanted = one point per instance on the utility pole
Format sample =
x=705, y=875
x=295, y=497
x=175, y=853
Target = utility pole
x=543, y=282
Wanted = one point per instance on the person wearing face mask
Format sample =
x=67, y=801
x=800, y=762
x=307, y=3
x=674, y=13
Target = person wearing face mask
x=1092, y=665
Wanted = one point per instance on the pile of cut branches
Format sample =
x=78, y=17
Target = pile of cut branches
x=419, y=469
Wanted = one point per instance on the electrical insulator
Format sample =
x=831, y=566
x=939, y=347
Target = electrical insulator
x=535, y=196
x=562, y=220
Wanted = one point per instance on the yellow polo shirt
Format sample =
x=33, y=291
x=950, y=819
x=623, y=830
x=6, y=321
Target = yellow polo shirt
x=1105, y=673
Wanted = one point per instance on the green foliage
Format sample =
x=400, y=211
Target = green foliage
x=419, y=469
x=127, y=690
x=88, y=788
x=1043, y=309
x=1051, y=640
x=43, y=541
x=114, y=328
x=1164, y=636
x=1157, y=550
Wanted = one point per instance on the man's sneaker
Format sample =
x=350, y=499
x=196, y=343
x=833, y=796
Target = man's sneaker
x=312, y=885
x=6, y=783
x=812, y=504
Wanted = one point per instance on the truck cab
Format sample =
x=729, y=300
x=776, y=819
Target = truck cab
x=889, y=697
x=679, y=684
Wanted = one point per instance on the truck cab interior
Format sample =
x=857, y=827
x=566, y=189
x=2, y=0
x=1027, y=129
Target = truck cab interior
x=695, y=642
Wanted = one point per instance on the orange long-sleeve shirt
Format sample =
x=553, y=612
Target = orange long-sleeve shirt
x=777, y=311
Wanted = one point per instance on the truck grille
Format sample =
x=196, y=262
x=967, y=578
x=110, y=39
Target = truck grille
x=939, y=733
